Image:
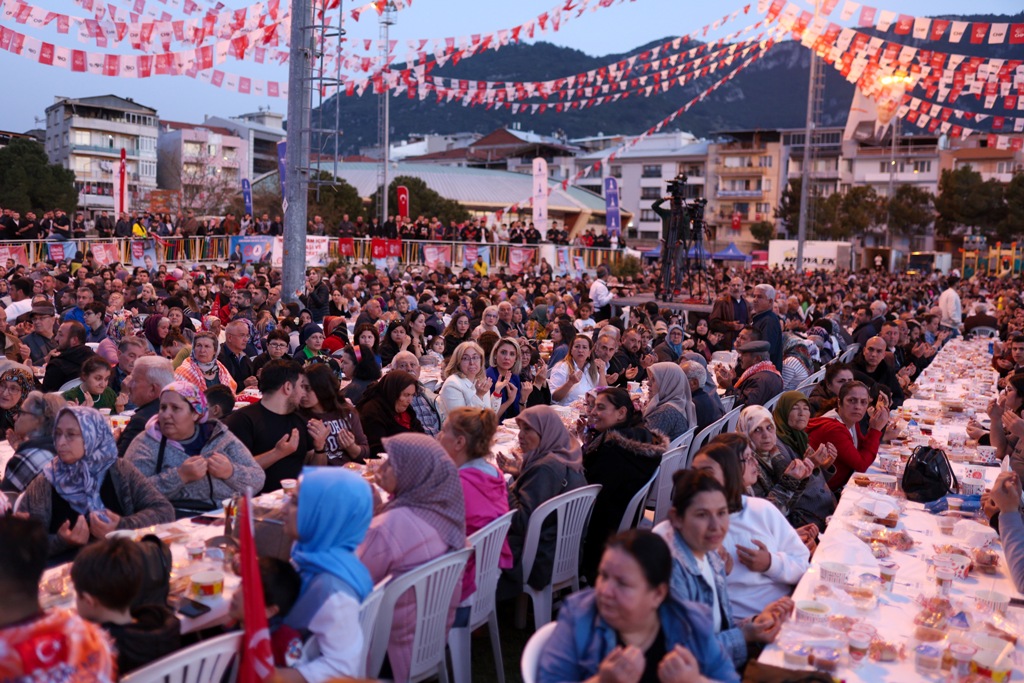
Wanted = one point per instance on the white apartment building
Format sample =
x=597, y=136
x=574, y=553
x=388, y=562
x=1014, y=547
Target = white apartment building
x=261, y=130
x=203, y=163
x=748, y=179
x=643, y=172
x=86, y=135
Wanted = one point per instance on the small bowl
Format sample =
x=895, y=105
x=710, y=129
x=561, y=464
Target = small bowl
x=834, y=573
x=207, y=585
x=961, y=565
x=993, y=601
x=811, y=612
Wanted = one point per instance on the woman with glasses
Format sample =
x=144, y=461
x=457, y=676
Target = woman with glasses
x=466, y=382
x=671, y=349
x=32, y=440
x=16, y=381
x=276, y=345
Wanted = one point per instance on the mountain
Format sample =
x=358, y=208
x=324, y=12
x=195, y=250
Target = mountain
x=770, y=93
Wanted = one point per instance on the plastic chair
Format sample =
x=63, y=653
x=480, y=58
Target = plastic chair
x=69, y=385
x=433, y=585
x=849, y=353
x=727, y=402
x=671, y=462
x=770, y=404
x=487, y=544
x=807, y=388
x=984, y=332
x=731, y=418
x=531, y=653
x=706, y=434
x=572, y=510
x=204, y=662
x=634, y=511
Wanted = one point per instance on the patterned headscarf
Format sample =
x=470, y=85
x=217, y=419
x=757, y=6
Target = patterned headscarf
x=191, y=395
x=118, y=328
x=20, y=375
x=79, y=483
x=426, y=481
x=555, y=439
x=335, y=510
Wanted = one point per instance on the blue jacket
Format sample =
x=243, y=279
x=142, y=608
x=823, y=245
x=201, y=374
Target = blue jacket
x=582, y=639
x=688, y=584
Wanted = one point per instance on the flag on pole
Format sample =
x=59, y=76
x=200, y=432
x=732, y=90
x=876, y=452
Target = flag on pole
x=257, y=658
x=540, y=195
x=403, y=201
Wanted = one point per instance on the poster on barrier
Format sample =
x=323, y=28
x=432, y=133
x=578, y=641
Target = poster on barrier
x=317, y=251
x=105, y=253
x=563, y=260
x=14, y=252
x=437, y=257
x=61, y=251
x=346, y=247
x=520, y=259
x=470, y=254
x=143, y=254
x=248, y=249
x=385, y=253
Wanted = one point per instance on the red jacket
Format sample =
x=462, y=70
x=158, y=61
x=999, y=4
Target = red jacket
x=850, y=458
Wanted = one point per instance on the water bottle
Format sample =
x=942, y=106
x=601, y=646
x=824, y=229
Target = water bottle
x=913, y=429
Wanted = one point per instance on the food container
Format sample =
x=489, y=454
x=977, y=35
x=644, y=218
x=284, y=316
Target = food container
x=811, y=612
x=958, y=563
x=927, y=659
x=289, y=486
x=889, y=462
x=859, y=644
x=207, y=585
x=992, y=601
x=826, y=659
x=834, y=573
x=946, y=524
x=944, y=580
x=991, y=664
x=795, y=654
x=987, y=455
x=962, y=654
x=887, y=571
x=195, y=551
x=986, y=560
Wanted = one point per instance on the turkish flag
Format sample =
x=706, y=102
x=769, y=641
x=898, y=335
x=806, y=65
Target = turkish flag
x=736, y=221
x=403, y=201
x=257, y=658
x=378, y=248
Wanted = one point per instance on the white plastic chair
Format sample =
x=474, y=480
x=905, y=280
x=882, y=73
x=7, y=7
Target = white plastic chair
x=671, y=462
x=367, y=618
x=631, y=517
x=770, y=404
x=731, y=418
x=204, y=662
x=487, y=544
x=984, y=332
x=572, y=510
x=727, y=402
x=531, y=653
x=706, y=434
x=847, y=355
x=69, y=385
x=433, y=585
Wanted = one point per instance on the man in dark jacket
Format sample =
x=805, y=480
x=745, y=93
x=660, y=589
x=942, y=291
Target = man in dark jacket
x=767, y=323
x=707, y=408
x=150, y=375
x=233, y=357
x=760, y=380
x=66, y=364
x=871, y=366
x=730, y=313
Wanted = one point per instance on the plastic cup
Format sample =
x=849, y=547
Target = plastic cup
x=946, y=525
x=859, y=644
x=944, y=580
x=289, y=486
x=955, y=504
x=887, y=571
x=195, y=551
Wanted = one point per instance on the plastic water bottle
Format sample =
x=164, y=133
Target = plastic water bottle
x=913, y=429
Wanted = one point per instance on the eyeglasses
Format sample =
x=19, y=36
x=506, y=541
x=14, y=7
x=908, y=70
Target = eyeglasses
x=277, y=345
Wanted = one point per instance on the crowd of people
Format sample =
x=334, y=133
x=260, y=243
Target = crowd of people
x=338, y=378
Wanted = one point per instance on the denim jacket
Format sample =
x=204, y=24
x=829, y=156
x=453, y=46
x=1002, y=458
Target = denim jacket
x=688, y=584
x=582, y=639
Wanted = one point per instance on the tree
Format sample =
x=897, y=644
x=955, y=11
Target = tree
x=335, y=201
x=843, y=215
x=788, y=210
x=910, y=210
x=1013, y=222
x=202, y=185
x=965, y=200
x=29, y=181
x=422, y=201
x=762, y=232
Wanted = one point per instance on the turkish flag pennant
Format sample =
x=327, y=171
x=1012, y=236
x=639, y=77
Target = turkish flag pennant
x=257, y=658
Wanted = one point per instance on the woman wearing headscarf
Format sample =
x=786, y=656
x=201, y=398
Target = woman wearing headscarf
x=86, y=491
x=792, y=414
x=16, y=381
x=32, y=440
x=552, y=465
x=386, y=409
x=194, y=461
x=119, y=327
x=424, y=519
x=797, y=365
x=154, y=330
x=782, y=475
x=328, y=521
x=670, y=410
x=202, y=368
x=671, y=349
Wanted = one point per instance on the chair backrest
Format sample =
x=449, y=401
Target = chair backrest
x=849, y=353
x=807, y=388
x=487, y=544
x=769, y=405
x=671, y=462
x=731, y=418
x=367, y=619
x=708, y=433
x=69, y=385
x=816, y=377
x=433, y=585
x=727, y=402
x=573, y=512
x=634, y=510
x=204, y=662
x=984, y=332
x=531, y=653
x=685, y=437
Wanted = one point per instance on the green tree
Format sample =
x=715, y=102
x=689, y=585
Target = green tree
x=29, y=181
x=841, y=215
x=788, y=210
x=965, y=200
x=910, y=210
x=335, y=201
x=1013, y=222
x=422, y=201
x=762, y=232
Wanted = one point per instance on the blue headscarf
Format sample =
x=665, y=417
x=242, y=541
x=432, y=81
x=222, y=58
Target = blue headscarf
x=677, y=349
x=79, y=483
x=335, y=508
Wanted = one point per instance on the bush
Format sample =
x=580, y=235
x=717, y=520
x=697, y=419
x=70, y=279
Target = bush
x=629, y=266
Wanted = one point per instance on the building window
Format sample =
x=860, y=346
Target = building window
x=763, y=207
x=615, y=171
x=651, y=171
x=648, y=216
x=924, y=166
x=764, y=161
x=650, y=192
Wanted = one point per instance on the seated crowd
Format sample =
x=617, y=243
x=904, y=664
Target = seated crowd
x=423, y=370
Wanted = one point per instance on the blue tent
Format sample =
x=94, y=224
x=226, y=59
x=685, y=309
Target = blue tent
x=656, y=253
x=653, y=253
x=731, y=253
x=703, y=252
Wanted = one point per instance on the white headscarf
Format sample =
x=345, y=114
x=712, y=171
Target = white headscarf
x=673, y=390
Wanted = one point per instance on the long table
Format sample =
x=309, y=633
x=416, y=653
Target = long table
x=960, y=380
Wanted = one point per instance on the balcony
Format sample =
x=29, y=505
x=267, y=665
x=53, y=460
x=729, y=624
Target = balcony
x=722, y=169
x=747, y=194
x=98, y=149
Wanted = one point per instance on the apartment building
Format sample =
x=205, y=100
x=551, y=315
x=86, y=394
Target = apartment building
x=261, y=131
x=86, y=135
x=748, y=177
x=200, y=160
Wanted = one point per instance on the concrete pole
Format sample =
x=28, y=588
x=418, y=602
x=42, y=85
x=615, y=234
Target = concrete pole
x=293, y=276
x=805, y=175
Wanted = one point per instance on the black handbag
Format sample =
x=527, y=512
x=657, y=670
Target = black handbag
x=928, y=475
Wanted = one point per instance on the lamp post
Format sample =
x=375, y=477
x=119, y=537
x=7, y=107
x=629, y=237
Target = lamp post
x=895, y=84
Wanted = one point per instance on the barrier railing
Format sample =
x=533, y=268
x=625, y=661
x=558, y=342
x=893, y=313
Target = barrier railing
x=223, y=249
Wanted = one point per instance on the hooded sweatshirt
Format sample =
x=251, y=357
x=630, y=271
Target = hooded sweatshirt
x=486, y=498
x=154, y=633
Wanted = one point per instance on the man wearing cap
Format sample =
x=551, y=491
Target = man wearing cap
x=730, y=313
x=760, y=380
x=40, y=341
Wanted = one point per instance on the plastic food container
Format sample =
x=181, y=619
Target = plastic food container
x=927, y=659
x=812, y=612
x=206, y=585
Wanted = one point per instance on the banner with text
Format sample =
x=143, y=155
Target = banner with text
x=612, y=216
x=317, y=251
x=437, y=257
x=252, y=249
x=540, y=195
x=520, y=259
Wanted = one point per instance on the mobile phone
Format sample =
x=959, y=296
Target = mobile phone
x=191, y=608
x=206, y=520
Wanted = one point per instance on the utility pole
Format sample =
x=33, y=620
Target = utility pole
x=293, y=272
x=387, y=19
x=815, y=88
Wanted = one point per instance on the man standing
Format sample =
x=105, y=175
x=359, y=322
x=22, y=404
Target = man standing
x=273, y=432
x=600, y=295
x=149, y=376
x=232, y=354
x=767, y=323
x=66, y=363
x=949, y=304
x=730, y=314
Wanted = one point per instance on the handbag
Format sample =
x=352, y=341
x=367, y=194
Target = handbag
x=928, y=475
